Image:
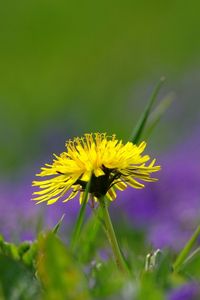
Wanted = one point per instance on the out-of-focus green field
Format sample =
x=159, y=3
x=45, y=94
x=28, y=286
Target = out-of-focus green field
x=72, y=67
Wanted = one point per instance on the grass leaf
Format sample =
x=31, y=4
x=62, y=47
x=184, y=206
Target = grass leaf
x=186, y=250
x=157, y=114
x=138, y=130
x=57, y=226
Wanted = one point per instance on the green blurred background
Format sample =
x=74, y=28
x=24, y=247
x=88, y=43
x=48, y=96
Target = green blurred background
x=69, y=67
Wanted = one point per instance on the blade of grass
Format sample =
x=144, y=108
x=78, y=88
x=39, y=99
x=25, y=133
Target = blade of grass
x=186, y=250
x=191, y=257
x=79, y=221
x=57, y=226
x=138, y=130
x=157, y=114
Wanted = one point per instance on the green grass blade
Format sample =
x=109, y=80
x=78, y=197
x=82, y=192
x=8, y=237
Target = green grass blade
x=191, y=257
x=79, y=221
x=138, y=130
x=157, y=114
x=186, y=250
x=57, y=226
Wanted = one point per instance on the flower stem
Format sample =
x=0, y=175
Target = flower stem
x=112, y=237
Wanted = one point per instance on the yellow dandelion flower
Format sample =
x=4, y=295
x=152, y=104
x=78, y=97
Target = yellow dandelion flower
x=104, y=160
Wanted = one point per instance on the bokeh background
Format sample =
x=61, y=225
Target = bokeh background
x=69, y=67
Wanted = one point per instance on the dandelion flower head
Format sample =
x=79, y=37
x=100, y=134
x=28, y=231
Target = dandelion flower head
x=105, y=162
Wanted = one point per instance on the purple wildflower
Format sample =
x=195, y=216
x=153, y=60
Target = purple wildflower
x=169, y=210
x=189, y=291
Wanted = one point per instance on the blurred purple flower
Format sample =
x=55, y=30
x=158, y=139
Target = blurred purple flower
x=189, y=291
x=169, y=210
x=21, y=218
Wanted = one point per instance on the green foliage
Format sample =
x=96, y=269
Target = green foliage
x=17, y=281
x=88, y=242
x=25, y=252
x=47, y=269
x=106, y=280
x=80, y=218
x=191, y=266
x=149, y=289
x=57, y=226
x=8, y=249
x=184, y=253
x=29, y=256
x=58, y=271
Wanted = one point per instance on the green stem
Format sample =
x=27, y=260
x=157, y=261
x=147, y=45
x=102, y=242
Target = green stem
x=186, y=250
x=112, y=237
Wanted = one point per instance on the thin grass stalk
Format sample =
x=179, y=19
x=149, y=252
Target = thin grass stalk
x=180, y=260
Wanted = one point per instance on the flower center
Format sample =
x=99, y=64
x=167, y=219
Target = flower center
x=101, y=184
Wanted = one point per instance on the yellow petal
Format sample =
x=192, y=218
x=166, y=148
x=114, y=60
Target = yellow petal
x=133, y=183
